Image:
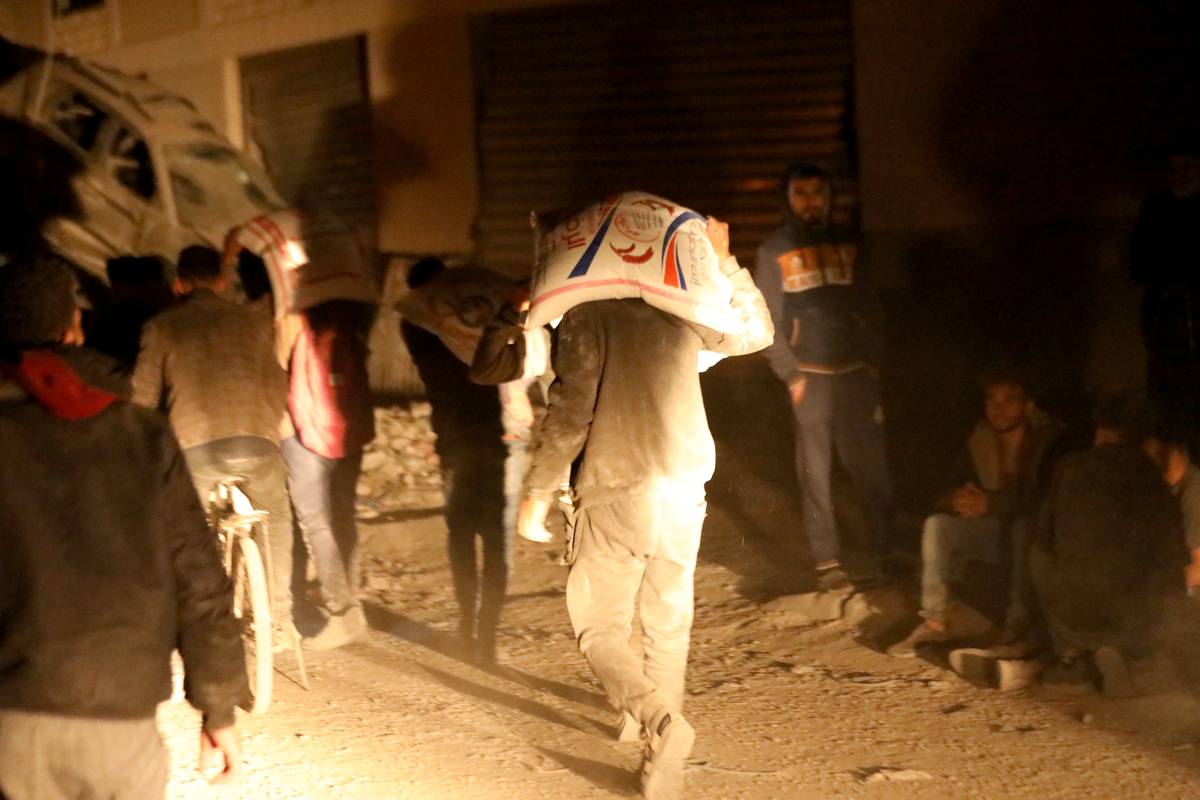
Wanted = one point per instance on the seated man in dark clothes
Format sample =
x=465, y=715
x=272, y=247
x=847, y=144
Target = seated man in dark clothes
x=1108, y=553
x=139, y=291
x=466, y=419
x=985, y=515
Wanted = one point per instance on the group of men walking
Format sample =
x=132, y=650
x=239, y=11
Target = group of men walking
x=281, y=398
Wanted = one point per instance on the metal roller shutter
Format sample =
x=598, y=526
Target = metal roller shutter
x=702, y=102
x=309, y=110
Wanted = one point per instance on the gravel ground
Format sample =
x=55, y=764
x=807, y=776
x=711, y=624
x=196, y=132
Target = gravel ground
x=782, y=709
x=781, y=712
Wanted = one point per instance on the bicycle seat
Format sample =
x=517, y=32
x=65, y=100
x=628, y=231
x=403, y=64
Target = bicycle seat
x=233, y=456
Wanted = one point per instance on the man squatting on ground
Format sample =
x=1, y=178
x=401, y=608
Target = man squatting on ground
x=627, y=396
x=985, y=516
x=228, y=420
x=822, y=350
x=1108, y=554
x=106, y=566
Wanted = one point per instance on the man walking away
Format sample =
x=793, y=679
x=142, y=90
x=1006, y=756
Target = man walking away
x=106, y=566
x=470, y=446
x=330, y=404
x=210, y=365
x=627, y=397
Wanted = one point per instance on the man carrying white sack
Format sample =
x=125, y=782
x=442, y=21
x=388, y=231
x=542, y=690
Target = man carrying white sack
x=627, y=397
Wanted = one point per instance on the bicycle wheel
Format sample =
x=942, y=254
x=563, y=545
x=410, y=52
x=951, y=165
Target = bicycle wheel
x=252, y=608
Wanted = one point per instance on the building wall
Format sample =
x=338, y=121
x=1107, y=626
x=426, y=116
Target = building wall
x=1004, y=146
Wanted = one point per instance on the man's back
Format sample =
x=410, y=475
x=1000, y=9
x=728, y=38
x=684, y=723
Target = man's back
x=628, y=386
x=1113, y=530
x=106, y=564
x=210, y=364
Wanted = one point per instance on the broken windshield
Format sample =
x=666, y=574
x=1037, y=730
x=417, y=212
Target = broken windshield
x=216, y=187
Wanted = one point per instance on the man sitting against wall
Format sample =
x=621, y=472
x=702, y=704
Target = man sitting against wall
x=985, y=516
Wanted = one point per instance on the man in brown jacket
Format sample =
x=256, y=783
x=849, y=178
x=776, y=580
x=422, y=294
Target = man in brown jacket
x=210, y=365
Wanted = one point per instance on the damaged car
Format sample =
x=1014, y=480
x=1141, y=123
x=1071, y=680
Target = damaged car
x=149, y=173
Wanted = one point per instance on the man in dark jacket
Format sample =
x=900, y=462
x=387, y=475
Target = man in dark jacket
x=106, y=565
x=986, y=514
x=808, y=271
x=210, y=365
x=1108, y=552
x=627, y=401
x=470, y=446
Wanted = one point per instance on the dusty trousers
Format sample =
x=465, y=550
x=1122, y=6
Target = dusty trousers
x=56, y=757
x=637, y=550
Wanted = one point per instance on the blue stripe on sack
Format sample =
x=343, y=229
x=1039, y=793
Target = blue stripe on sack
x=672, y=228
x=589, y=255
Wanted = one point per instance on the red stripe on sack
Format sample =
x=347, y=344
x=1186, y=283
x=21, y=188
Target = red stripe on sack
x=673, y=296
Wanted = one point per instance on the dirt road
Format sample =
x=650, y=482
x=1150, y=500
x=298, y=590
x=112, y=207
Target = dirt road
x=781, y=712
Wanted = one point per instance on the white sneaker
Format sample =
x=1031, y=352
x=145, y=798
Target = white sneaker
x=666, y=755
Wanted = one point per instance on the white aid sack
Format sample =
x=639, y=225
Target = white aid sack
x=311, y=259
x=455, y=305
x=632, y=245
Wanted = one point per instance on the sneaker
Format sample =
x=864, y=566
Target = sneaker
x=665, y=758
x=1114, y=673
x=984, y=666
x=1015, y=674
x=921, y=635
x=974, y=664
x=628, y=729
x=339, y=630
x=832, y=579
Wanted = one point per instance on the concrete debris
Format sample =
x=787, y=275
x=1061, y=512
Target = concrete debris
x=879, y=774
x=401, y=470
x=807, y=609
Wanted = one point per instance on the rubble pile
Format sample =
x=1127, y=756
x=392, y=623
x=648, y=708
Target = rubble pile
x=400, y=468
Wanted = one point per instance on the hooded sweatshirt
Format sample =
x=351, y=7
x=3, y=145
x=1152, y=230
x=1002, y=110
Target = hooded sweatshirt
x=808, y=277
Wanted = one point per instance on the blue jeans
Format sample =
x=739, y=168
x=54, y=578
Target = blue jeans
x=948, y=542
x=841, y=415
x=323, y=492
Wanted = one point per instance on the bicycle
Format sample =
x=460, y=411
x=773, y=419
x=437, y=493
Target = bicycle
x=242, y=530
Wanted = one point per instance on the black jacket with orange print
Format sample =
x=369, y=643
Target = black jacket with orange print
x=809, y=279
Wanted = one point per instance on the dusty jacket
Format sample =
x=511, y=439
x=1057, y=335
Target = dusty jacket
x=1114, y=547
x=627, y=395
x=106, y=565
x=210, y=364
x=980, y=465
